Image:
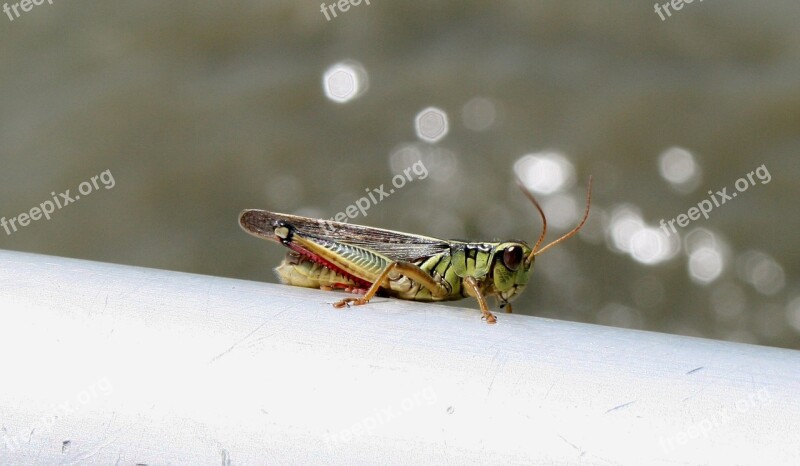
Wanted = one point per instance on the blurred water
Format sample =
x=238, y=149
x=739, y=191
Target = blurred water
x=200, y=109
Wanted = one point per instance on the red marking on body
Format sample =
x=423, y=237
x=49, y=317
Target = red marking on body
x=348, y=288
x=328, y=265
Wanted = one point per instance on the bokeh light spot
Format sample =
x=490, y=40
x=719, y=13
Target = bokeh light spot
x=479, y=114
x=344, y=81
x=793, y=313
x=545, y=172
x=562, y=211
x=679, y=168
x=646, y=244
x=705, y=265
x=649, y=245
x=431, y=124
x=762, y=271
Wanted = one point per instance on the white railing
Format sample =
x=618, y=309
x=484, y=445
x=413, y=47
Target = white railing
x=106, y=364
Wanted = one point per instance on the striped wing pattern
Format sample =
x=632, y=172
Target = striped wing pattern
x=392, y=244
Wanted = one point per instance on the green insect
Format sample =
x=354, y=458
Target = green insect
x=369, y=261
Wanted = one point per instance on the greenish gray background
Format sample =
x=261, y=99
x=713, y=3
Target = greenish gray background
x=200, y=109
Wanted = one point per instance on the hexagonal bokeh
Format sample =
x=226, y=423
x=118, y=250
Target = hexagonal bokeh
x=344, y=81
x=431, y=124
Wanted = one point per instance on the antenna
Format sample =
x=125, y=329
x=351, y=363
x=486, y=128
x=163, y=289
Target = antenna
x=535, y=251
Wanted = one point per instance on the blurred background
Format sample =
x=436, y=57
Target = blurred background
x=200, y=109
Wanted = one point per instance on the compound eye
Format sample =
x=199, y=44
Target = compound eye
x=512, y=257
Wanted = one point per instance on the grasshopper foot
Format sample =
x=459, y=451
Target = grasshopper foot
x=346, y=302
x=489, y=318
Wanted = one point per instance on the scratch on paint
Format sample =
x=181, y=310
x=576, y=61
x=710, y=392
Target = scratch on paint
x=572, y=445
x=81, y=457
x=621, y=406
x=240, y=341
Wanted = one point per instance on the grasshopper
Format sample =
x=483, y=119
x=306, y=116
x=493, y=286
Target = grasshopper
x=365, y=260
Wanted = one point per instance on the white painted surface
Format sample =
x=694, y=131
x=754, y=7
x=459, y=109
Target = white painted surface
x=135, y=365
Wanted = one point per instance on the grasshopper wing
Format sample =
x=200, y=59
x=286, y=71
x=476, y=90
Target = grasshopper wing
x=392, y=244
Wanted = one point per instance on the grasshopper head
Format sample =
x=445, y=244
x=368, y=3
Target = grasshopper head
x=510, y=269
x=513, y=260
